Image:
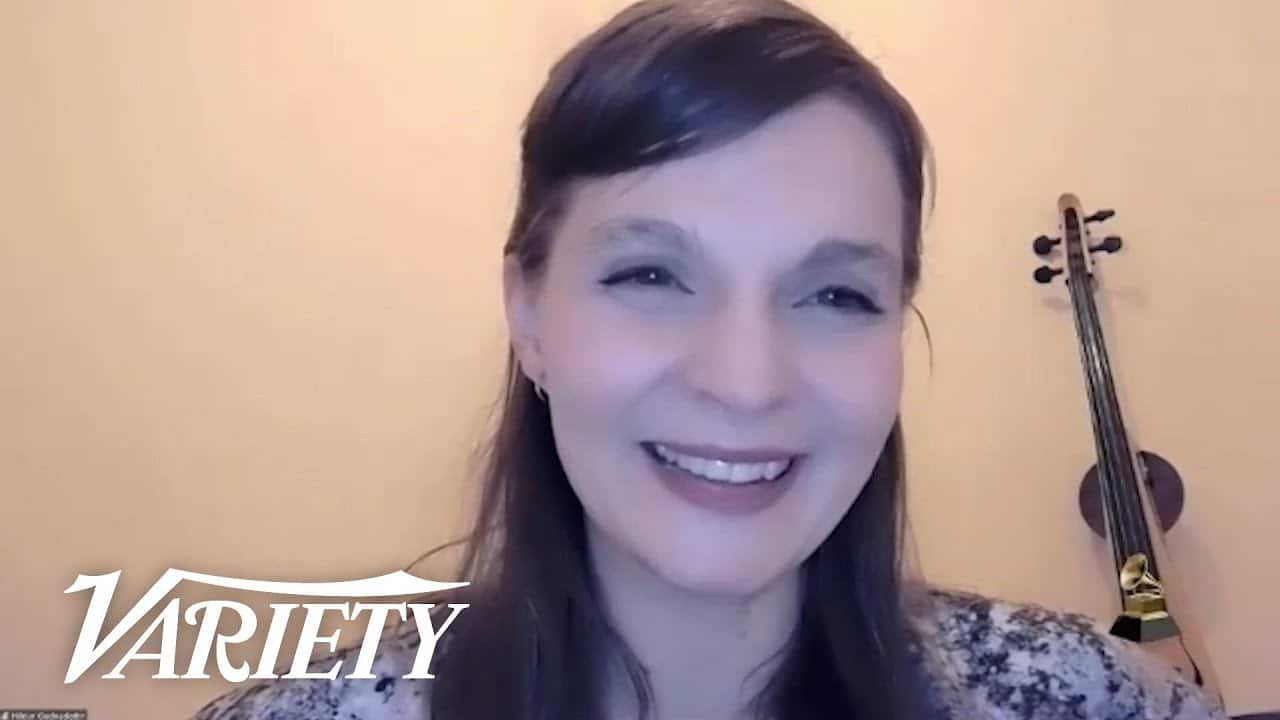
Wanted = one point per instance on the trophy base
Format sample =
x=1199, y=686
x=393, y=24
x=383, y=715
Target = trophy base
x=1145, y=628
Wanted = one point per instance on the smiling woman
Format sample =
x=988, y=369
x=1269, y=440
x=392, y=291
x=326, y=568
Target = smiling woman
x=729, y=347
x=693, y=507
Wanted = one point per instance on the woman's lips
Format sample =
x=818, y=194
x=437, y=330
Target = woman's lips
x=721, y=497
x=713, y=452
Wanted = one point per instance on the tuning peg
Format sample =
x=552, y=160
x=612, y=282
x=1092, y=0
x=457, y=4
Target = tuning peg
x=1045, y=274
x=1110, y=243
x=1044, y=244
x=1100, y=216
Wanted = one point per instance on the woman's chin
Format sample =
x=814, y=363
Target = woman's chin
x=718, y=578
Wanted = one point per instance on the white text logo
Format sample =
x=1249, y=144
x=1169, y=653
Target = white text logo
x=91, y=645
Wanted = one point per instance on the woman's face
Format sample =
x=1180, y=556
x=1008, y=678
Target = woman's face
x=708, y=323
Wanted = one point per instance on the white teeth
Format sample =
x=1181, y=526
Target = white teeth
x=697, y=466
x=721, y=471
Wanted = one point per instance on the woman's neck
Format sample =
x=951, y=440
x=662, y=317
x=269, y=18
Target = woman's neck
x=701, y=651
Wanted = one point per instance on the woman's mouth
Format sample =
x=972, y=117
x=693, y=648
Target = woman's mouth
x=725, y=467
x=727, y=482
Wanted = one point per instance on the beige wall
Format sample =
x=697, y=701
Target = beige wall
x=249, y=317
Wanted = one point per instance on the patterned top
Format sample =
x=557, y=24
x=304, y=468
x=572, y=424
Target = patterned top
x=988, y=658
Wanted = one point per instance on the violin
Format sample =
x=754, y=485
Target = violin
x=1128, y=498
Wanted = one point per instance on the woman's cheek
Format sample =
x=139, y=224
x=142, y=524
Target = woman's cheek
x=612, y=347
x=864, y=381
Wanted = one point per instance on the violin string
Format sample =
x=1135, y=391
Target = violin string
x=1106, y=477
x=1117, y=512
x=1125, y=457
x=1105, y=485
x=1113, y=455
x=1106, y=466
x=1122, y=459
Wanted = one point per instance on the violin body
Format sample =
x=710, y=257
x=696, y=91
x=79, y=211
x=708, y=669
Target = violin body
x=1164, y=484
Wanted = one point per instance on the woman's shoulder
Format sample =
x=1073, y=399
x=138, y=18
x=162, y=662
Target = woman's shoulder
x=997, y=658
x=386, y=696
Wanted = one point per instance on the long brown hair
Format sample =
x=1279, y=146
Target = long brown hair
x=666, y=79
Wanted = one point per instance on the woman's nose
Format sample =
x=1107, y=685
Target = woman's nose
x=737, y=358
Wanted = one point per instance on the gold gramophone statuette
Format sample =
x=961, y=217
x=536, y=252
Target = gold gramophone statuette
x=1145, y=594
x=1145, y=617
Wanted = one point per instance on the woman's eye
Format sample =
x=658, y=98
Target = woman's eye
x=649, y=275
x=846, y=299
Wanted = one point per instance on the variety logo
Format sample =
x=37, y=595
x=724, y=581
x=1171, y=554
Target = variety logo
x=205, y=615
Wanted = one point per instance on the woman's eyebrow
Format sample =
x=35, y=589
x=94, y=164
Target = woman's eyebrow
x=647, y=230
x=838, y=250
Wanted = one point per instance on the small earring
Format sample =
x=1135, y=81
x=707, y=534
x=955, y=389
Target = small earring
x=540, y=392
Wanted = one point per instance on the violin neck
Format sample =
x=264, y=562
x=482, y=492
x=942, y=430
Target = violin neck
x=1124, y=500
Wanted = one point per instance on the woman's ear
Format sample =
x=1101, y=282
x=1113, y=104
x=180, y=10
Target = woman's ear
x=520, y=302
